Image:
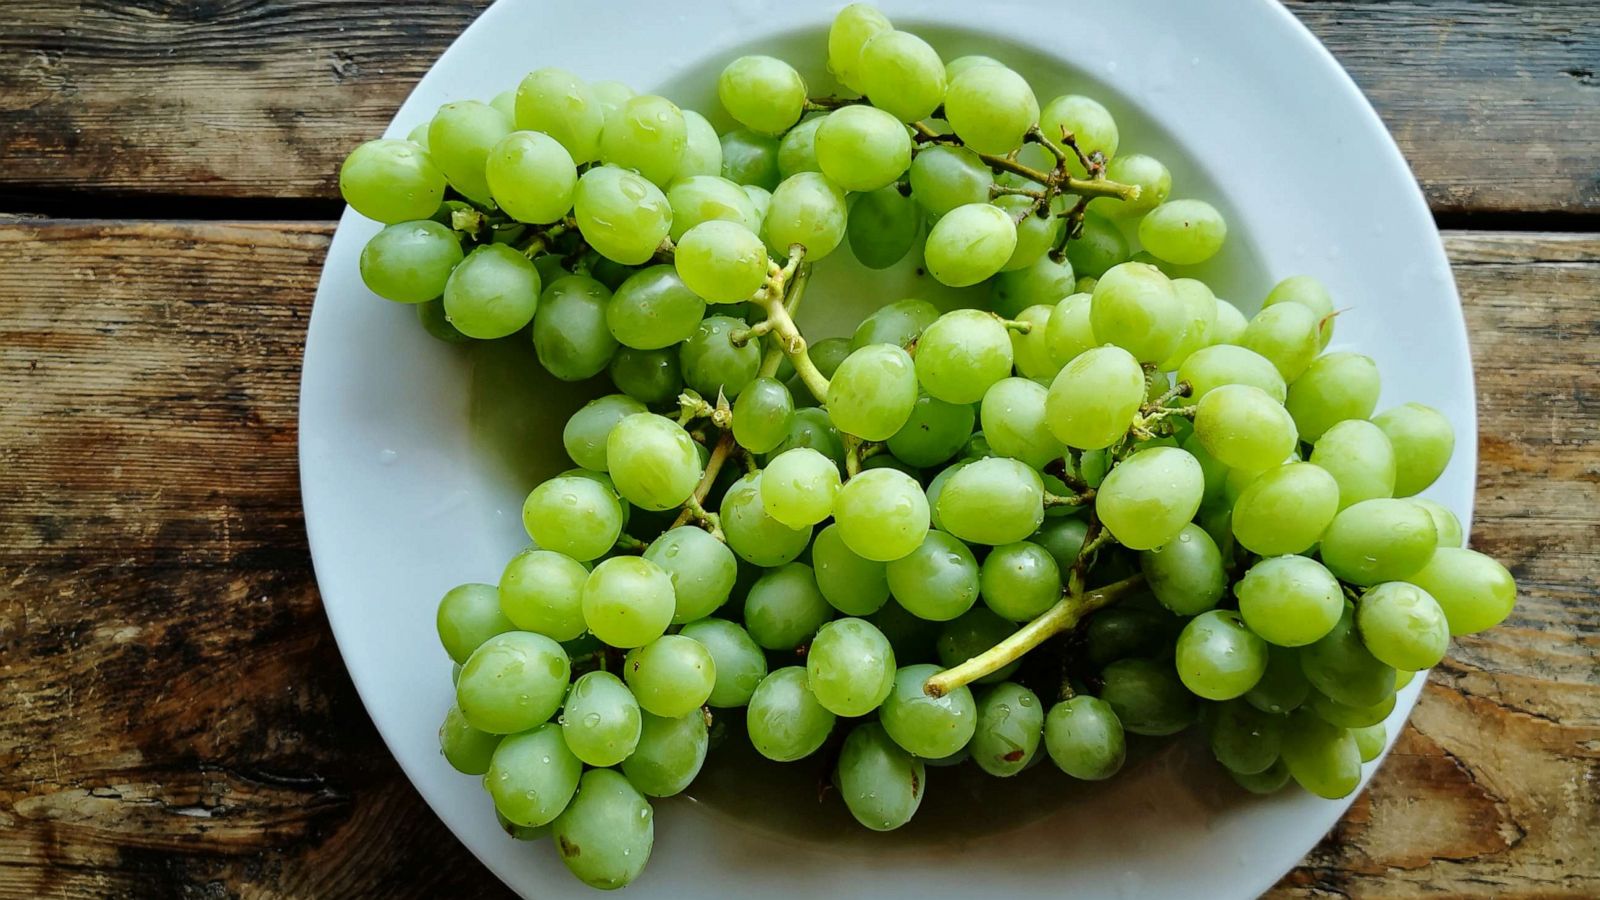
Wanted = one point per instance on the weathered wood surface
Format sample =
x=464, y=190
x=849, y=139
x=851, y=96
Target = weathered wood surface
x=1496, y=103
x=176, y=721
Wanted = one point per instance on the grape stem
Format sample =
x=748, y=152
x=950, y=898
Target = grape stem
x=1017, y=325
x=1081, y=498
x=782, y=329
x=857, y=451
x=693, y=511
x=627, y=543
x=1056, y=181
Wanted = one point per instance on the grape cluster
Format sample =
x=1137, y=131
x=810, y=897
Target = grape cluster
x=1190, y=517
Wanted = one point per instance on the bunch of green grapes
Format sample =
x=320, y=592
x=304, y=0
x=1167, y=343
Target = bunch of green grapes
x=863, y=548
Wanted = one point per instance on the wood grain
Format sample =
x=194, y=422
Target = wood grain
x=177, y=722
x=1494, y=102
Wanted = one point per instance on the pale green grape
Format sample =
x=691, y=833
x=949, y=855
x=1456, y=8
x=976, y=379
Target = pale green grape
x=584, y=436
x=410, y=262
x=1200, y=314
x=1285, y=510
x=542, y=591
x=762, y=93
x=1087, y=121
x=969, y=244
x=606, y=833
x=702, y=149
x=391, y=181
x=926, y=726
x=1342, y=669
x=1031, y=351
x=1014, y=420
x=935, y=431
x=1230, y=328
x=705, y=198
x=1069, y=333
x=671, y=753
x=468, y=615
x=1370, y=741
x=1245, y=739
x=937, y=581
x=653, y=461
x=862, y=148
x=1286, y=334
x=943, y=178
x=671, y=676
x=723, y=262
x=570, y=334
x=1322, y=758
x=739, y=663
x=1333, y=388
x=883, y=226
x=646, y=133
x=628, y=601
x=1423, y=441
x=851, y=28
x=962, y=354
x=762, y=415
x=1444, y=521
x=784, y=719
x=600, y=719
x=1290, y=601
x=575, y=516
x=1147, y=498
x=750, y=159
x=970, y=634
x=990, y=107
x=1186, y=574
x=712, y=363
x=512, y=682
x=1084, y=737
x=1359, y=457
x=757, y=537
x=799, y=486
x=1379, y=540
x=880, y=783
x=850, y=667
x=1135, y=307
x=809, y=210
x=531, y=176
x=1475, y=591
x=1273, y=780
x=901, y=74
x=1152, y=177
x=532, y=776
x=992, y=501
x=1098, y=247
x=431, y=315
x=1147, y=697
x=1036, y=234
x=465, y=748
x=898, y=323
x=1283, y=686
x=1019, y=581
x=620, y=214
x=874, y=390
x=1310, y=293
x=797, y=152
x=1403, y=626
x=962, y=63
x=760, y=199
x=1218, y=657
x=1212, y=367
x=610, y=95
x=1346, y=716
x=459, y=138
x=492, y=293
x=785, y=607
x=559, y=104
x=1243, y=427
x=654, y=309
x=851, y=583
x=882, y=514
x=419, y=135
x=1215, y=472
x=649, y=376
x=1010, y=727
x=1183, y=232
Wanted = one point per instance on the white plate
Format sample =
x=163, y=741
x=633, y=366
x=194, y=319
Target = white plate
x=402, y=501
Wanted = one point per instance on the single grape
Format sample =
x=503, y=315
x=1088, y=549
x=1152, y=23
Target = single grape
x=1341, y=667
x=1310, y=293
x=962, y=354
x=1010, y=727
x=1273, y=780
x=465, y=748
x=654, y=309
x=880, y=783
x=1333, y=388
x=799, y=486
x=671, y=753
x=1147, y=697
x=1379, y=540
x=1200, y=314
x=1422, y=441
x=512, y=682
x=1098, y=247
x=761, y=200
x=570, y=334
x=934, y=433
x=990, y=107
x=584, y=436
x=850, y=667
x=750, y=159
x=851, y=28
x=434, y=320
x=883, y=226
x=762, y=415
x=1285, y=510
x=1085, y=739
x=739, y=663
x=1370, y=741
x=873, y=392
x=531, y=176
x=492, y=293
x=1286, y=334
x=944, y=177
x=1186, y=574
x=1150, y=174
x=600, y=719
x=1359, y=457
x=1147, y=498
x=1063, y=537
x=606, y=833
x=1475, y=591
x=969, y=244
x=1283, y=686
x=1245, y=428
x=1403, y=626
x=785, y=608
x=628, y=601
x=1087, y=121
x=653, y=461
x=784, y=719
x=809, y=210
x=757, y=537
x=1183, y=232
x=575, y=516
x=797, y=151
x=621, y=214
x=559, y=104
x=702, y=149
x=1135, y=307
x=851, y=583
x=762, y=93
x=704, y=198
x=901, y=74
x=542, y=591
x=938, y=581
x=1031, y=349
x=610, y=95
x=1322, y=758
x=532, y=776
x=712, y=363
x=992, y=501
x=1019, y=581
x=1212, y=367
x=647, y=134
x=671, y=676
x=1014, y=420
x=1444, y=521
x=649, y=376
x=468, y=615
x=723, y=262
x=882, y=514
x=862, y=148
x=391, y=181
x=1218, y=657
x=1346, y=716
x=926, y=726
x=898, y=323
x=1230, y=329
x=1245, y=739
x=1290, y=601
x=459, y=138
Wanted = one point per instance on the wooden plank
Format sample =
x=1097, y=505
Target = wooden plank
x=178, y=721
x=1495, y=102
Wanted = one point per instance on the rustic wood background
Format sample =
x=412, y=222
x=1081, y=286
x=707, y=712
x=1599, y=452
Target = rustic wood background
x=174, y=717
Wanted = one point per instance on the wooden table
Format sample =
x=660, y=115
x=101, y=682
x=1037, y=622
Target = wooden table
x=174, y=717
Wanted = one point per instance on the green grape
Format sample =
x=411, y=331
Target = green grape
x=1085, y=739
x=1444, y=521
x=410, y=262
x=739, y=663
x=990, y=107
x=570, y=334
x=1244, y=428
x=703, y=198
x=620, y=214
x=468, y=615
x=558, y=103
x=600, y=720
x=1333, y=388
x=721, y=261
x=1271, y=781
x=852, y=584
x=1322, y=758
x=532, y=776
x=862, y=148
x=610, y=95
x=762, y=415
x=962, y=354
x=1186, y=574
x=1290, y=601
x=1216, y=473
x=962, y=63
x=649, y=376
x=465, y=748
x=606, y=271
x=750, y=159
x=1070, y=334
x=850, y=667
x=934, y=433
x=992, y=501
x=1285, y=510
x=899, y=323
x=437, y=324
x=923, y=725
x=969, y=244
x=873, y=392
x=1147, y=498
x=702, y=149
x=1310, y=293
x=1370, y=741
x=1010, y=726
x=799, y=486
x=1475, y=591
x=1422, y=441
x=1036, y=234
x=1183, y=232
x=628, y=601
x=761, y=200
x=1147, y=697
x=809, y=210
x=1218, y=657
x=1403, y=626
x=419, y=135
x=1212, y=367
x=970, y=634
x=888, y=461
x=584, y=436
x=1379, y=540
x=901, y=75
x=757, y=537
x=1341, y=667
x=653, y=461
x=1200, y=314
x=1286, y=334
x=1031, y=350
x=762, y=93
x=784, y=719
x=797, y=151
x=531, y=177
x=1346, y=716
x=1013, y=419
x=606, y=833
x=1358, y=456
x=937, y=581
x=671, y=676
x=1244, y=739
x=883, y=226
x=785, y=607
x=852, y=27
x=880, y=783
x=882, y=514
x=1087, y=121
x=944, y=177
x=1044, y=282
x=1063, y=537
x=647, y=134
x=492, y=293
x=712, y=363
x=575, y=516
x=1135, y=307
x=812, y=428
x=670, y=755
x=512, y=682
x=391, y=181
x=913, y=638
x=1151, y=176
x=1019, y=581
x=1098, y=247
x=459, y=138
x=1283, y=686
x=542, y=591
x=1230, y=329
